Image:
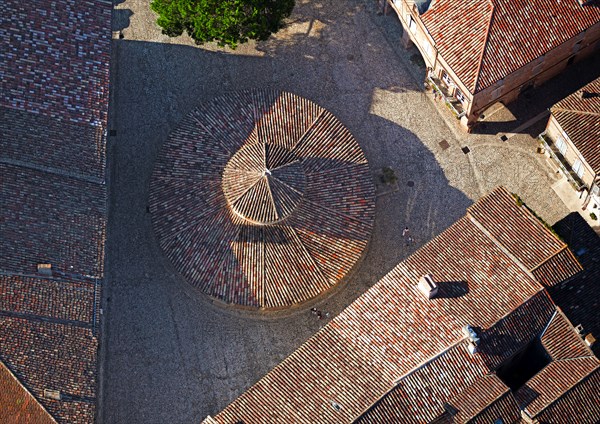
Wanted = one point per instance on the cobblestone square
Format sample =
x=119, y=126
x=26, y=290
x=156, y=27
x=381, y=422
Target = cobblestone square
x=169, y=354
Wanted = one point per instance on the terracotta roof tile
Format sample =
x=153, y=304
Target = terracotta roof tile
x=579, y=297
x=522, y=234
x=561, y=341
x=485, y=401
x=580, y=404
x=386, y=334
x=553, y=381
x=48, y=218
x=579, y=117
x=519, y=31
x=55, y=356
x=49, y=298
x=17, y=405
x=558, y=268
x=262, y=199
x=420, y=396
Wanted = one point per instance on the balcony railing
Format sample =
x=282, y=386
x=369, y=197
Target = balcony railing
x=444, y=92
x=563, y=165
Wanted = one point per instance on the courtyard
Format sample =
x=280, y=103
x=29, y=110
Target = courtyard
x=169, y=354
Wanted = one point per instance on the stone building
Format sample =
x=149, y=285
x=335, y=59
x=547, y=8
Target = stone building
x=479, y=52
x=572, y=140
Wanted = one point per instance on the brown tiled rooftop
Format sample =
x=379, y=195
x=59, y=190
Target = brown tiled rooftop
x=18, y=406
x=579, y=116
x=48, y=298
x=49, y=218
x=55, y=79
x=483, y=41
x=534, y=246
x=395, y=356
x=54, y=356
x=262, y=199
x=54, y=70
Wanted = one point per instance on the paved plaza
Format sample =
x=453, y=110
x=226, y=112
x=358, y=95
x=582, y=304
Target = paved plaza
x=169, y=354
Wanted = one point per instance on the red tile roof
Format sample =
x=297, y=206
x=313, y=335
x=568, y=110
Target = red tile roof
x=517, y=230
x=485, y=401
x=65, y=300
x=395, y=356
x=17, y=405
x=54, y=70
x=48, y=218
x=580, y=404
x=262, y=199
x=483, y=41
x=420, y=396
x=561, y=341
x=553, y=381
x=55, y=356
x=579, y=117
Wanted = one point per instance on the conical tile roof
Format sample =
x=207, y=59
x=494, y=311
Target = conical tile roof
x=262, y=199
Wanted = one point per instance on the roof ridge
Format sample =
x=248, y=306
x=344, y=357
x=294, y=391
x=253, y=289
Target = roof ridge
x=562, y=249
x=506, y=392
x=398, y=380
x=579, y=112
x=572, y=328
x=483, y=49
x=502, y=248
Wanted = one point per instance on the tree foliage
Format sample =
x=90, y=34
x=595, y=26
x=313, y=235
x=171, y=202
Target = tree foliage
x=228, y=22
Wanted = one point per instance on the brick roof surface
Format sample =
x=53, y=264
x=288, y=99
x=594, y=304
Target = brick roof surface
x=579, y=117
x=55, y=356
x=580, y=404
x=54, y=72
x=49, y=218
x=534, y=245
x=483, y=41
x=485, y=401
x=395, y=356
x=579, y=298
x=46, y=298
x=55, y=79
x=18, y=406
x=262, y=199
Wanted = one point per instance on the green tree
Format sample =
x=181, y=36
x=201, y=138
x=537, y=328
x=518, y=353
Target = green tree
x=228, y=22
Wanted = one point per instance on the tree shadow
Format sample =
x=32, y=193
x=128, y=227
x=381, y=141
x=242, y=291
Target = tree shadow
x=121, y=19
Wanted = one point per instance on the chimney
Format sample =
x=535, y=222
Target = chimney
x=472, y=338
x=427, y=286
x=590, y=340
x=52, y=394
x=45, y=269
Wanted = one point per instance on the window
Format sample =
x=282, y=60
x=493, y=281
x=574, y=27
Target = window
x=460, y=96
x=447, y=79
x=412, y=25
x=561, y=145
x=578, y=168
